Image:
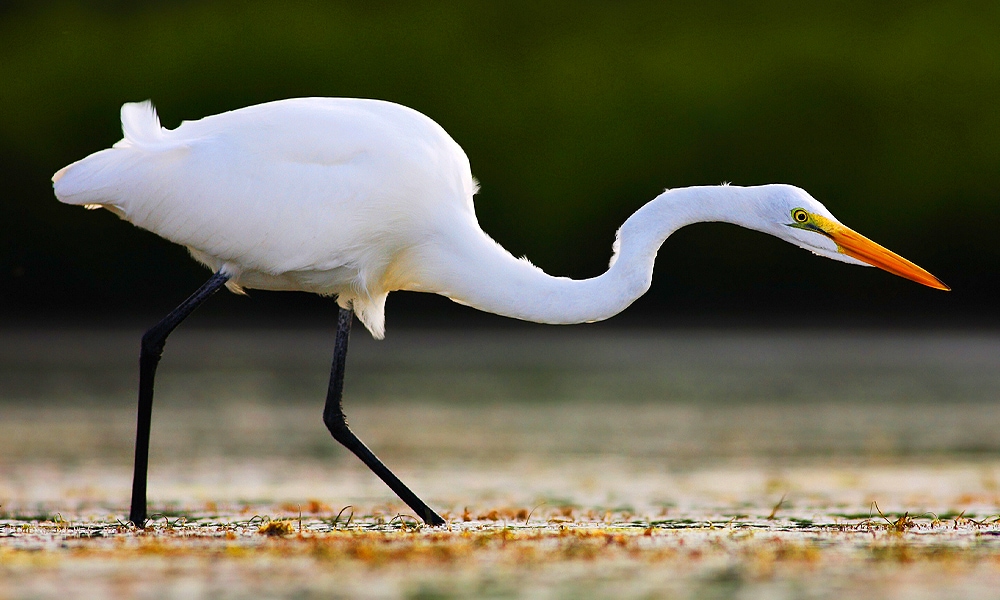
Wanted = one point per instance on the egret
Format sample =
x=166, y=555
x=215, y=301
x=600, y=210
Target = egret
x=356, y=198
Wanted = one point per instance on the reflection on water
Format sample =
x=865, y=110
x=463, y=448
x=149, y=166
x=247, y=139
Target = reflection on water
x=563, y=364
x=678, y=396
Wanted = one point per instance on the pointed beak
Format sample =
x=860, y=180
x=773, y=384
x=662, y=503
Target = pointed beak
x=857, y=246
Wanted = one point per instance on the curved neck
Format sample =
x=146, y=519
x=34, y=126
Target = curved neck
x=472, y=269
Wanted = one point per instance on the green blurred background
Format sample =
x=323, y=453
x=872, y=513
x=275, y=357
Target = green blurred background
x=573, y=115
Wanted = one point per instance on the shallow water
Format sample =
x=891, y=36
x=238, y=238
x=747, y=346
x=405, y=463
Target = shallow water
x=690, y=431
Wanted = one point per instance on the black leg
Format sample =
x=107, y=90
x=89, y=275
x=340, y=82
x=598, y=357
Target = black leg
x=336, y=422
x=149, y=357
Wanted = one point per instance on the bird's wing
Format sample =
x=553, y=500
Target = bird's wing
x=307, y=184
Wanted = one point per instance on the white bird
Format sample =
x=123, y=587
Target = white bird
x=357, y=198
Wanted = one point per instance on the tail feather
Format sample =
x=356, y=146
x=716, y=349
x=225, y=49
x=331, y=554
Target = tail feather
x=93, y=180
x=99, y=179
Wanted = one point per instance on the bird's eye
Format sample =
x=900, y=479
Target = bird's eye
x=800, y=215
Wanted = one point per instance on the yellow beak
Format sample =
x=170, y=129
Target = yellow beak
x=857, y=246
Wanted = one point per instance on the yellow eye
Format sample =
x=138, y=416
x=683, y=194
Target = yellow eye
x=800, y=215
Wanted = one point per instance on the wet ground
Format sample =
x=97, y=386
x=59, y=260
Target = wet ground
x=569, y=462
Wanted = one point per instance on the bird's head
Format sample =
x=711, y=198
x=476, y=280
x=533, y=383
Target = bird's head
x=791, y=214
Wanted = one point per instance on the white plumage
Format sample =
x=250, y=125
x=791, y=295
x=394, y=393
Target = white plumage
x=358, y=198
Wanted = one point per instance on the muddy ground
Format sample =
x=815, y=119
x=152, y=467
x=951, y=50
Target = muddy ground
x=569, y=462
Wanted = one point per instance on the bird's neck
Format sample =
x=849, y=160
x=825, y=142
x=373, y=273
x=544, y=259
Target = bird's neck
x=472, y=269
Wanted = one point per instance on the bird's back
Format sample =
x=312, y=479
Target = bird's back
x=310, y=193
